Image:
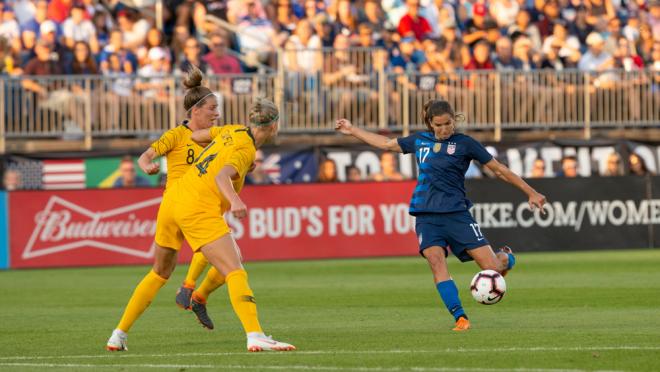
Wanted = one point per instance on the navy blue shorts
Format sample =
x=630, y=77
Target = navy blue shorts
x=457, y=231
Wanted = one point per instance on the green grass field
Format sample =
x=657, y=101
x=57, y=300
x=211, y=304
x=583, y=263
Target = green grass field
x=563, y=311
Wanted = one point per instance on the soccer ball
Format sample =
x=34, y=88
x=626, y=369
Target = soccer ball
x=488, y=287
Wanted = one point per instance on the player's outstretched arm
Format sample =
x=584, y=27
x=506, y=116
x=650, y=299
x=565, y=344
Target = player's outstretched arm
x=202, y=137
x=223, y=180
x=536, y=199
x=146, y=161
x=384, y=143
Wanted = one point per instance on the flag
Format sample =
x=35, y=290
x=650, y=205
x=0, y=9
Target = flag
x=63, y=174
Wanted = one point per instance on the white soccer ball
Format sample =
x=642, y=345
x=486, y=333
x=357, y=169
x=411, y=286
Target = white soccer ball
x=488, y=287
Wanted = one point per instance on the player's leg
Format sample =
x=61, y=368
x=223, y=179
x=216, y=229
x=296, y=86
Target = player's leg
x=437, y=258
x=487, y=259
x=224, y=255
x=144, y=293
x=184, y=293
x=211, y=282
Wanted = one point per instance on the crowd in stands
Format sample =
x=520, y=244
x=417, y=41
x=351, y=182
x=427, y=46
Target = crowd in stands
x=111, y=37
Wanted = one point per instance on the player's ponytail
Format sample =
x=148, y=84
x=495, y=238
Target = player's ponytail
x=437, y=107
x=263, y=112
x=196, y=93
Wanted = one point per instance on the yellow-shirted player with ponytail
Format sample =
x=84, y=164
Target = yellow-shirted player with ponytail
x=196, y=204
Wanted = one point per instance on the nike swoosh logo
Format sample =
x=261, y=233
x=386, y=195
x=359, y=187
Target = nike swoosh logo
x=491, y=299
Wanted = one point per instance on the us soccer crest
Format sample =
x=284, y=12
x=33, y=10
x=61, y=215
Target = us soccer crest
x=451, y=148
x=437, y=147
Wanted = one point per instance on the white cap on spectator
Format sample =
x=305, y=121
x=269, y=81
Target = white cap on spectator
x=156, y=53
x=47, y=26
x=595, y=38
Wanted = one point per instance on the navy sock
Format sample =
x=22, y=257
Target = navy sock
x=449, y=294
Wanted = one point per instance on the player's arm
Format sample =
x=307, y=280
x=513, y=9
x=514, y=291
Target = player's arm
x=223, y=180
x=503, y=172
x=146, y=161
x=384, y=143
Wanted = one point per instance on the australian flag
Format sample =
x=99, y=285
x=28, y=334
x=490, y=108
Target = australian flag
x=291, y=167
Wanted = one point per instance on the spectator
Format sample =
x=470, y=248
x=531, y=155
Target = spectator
x=365, y=37
x=645, y=44
x=154, y=73
x=569, y=167
x=388, y=169
x=328, y=171
x=83, y=62
x=353, y=174
x=599, y=11
x=154, y=40
x=218, y=59
x=9, y=28
x=548, y=18
x=637, y=165
x=626, y=58
x=28, y=41
x=596, y=59
x=127, y=59
x=481, y=57
x=134, y=28
x=285, y=20
x=128, y=176
x=523, y=26
x=569, y=44
x=102, y=22
x=12, y=180
x=413, y=24
x=372, y=15
x=303, y=50
x=43, y=64
x=121, y=74
x=654, y=17
x=580, y=28
x=77, y=28
x=631, y=29
x=258, y=176
x=410, y=58
x=538, y=169
x=48, y=33
x=344, y=15
x=256, y=34
x=613, y=35
x=613, y=167
x=9, y=64
x=192, y=55
x=504, y=59
x=504, y=12
x=58, y=10
x=551, y=58
x=475, y=29
x=522, y=49
x=40, y=16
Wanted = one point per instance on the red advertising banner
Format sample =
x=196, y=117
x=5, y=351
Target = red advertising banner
x=116, y=226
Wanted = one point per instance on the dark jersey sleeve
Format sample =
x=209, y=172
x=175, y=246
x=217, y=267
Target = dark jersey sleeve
x=478, y=152
x=407, y=144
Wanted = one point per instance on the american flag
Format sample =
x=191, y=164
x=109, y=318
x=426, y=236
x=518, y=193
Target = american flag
x=63, y=174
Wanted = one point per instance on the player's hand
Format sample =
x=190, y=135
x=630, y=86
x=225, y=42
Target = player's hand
x=238, y=209
x=151, y=168
x=344, y=126
x=537, y=200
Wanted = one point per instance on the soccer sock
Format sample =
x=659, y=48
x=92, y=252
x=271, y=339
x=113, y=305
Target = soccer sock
x=449, y=294
x=142, y=296
x=197, y=265
x=211, y=282
x=242, y=300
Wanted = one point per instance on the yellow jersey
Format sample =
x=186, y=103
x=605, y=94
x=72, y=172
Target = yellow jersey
x=180, y=150
x=232, y=145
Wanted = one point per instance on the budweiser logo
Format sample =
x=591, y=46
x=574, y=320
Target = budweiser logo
x=63, y=226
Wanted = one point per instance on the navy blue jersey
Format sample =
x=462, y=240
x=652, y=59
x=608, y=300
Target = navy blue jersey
x=442, y=166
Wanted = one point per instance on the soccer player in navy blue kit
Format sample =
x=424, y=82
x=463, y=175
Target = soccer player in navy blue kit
x=439, y=203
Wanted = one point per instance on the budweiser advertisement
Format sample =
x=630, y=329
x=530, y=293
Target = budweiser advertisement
x=4, y=232
x=116, y=226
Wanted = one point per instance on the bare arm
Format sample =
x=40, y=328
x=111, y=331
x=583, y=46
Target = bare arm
x=202, y=137
x=223, y=180
x=504, y=173
x=146, y=162
x=384, y=143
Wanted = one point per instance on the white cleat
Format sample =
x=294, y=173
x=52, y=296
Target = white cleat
x=118, y=341
x=266, y=343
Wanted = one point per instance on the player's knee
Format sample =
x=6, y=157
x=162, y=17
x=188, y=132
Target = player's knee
x=495, y=265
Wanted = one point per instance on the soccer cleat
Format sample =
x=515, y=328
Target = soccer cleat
x=183, y=296
x=266, y=343
x=118, y=341
x=198, y=306
x=462, y=324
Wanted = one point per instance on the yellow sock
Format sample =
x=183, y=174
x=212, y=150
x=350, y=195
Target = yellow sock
x=242, y=300
x=197, y=265
x=142, y=296
x=211, y=282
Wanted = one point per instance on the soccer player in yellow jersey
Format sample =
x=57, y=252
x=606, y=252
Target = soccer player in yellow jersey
x=196, y=204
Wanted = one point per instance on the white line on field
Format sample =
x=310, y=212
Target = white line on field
x=330, y=352
x=294, y=367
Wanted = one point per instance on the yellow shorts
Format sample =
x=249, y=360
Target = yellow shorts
x=200, y=224
x=168, y=233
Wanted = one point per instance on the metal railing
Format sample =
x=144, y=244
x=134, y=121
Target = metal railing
x=323, y=85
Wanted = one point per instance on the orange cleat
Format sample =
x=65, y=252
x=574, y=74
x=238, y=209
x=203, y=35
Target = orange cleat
x=462, y=324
